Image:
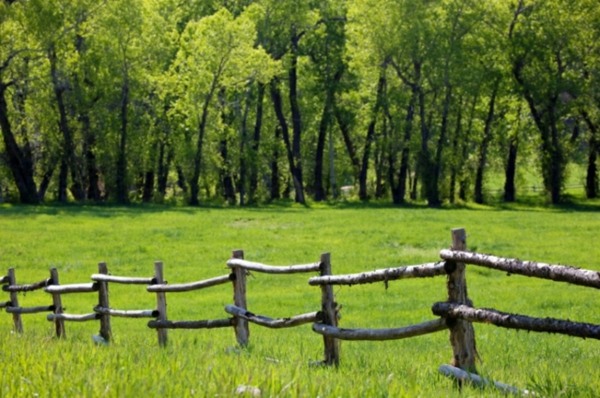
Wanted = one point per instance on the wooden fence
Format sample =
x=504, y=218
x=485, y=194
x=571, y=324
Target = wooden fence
x=455, y=314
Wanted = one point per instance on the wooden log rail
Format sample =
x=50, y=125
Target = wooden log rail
x=382, y=275
x=126, y=313
x=433, y=326
x=27, y=287
x=515, y=321
x=72, y=288
x=29, y=310
x=73, y=317
x=186, y=287
x=270, y=322
x=4, y=280
x=559, y=273
x=204, y=324
x=126, y=280
x=272, y=269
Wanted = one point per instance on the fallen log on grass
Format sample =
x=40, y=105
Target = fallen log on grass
x=381, y=334
x=559, y=273
x=515, y=321
x=382, y=275
x=269, y=322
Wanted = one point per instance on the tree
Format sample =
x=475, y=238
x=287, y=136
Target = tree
x=216, y=51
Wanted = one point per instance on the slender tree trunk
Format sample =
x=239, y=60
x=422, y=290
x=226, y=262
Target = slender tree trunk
x=20, y=160
x=350, y=149
x=255, y=145
x=275, y=177
x=63, y=125
x=324, y=125
x=366, y=155
x=591, y=178
x=297, y=169
x=511, y=170
x=122, y=195
x=399, y=189
x=485, y=142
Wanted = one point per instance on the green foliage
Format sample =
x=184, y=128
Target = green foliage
x=194, y=244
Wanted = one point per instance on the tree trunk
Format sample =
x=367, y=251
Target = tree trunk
x=297, y=172
x=591, y=178
x=399, y=188
x=275, y=185
x=364, y=166
x=255, y=145
x=485, y=142
x=324, y=125
x=511, y=170
x=122, y=195
x=20, y=161
x=63, y=125
x=345, y=129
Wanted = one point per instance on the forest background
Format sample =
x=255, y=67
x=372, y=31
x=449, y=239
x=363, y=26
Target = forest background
x=246, y=102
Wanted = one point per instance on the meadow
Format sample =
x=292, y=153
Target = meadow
x=195, y=243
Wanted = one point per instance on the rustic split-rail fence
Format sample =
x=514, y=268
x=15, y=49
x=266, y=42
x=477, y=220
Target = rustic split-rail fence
x=456, y=314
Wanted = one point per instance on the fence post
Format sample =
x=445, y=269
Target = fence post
x=59, y=324
x=329, y=311
x=161, y=303
x=103, y=301
x=462, y=334
x=242, y=331
x=14, y=301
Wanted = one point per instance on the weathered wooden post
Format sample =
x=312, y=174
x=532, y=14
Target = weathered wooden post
x=59, y=323
x=242, y=331
x=14, y=300
x=161, y=303
x=329, y=311
x=462, y=335
x=103, y=301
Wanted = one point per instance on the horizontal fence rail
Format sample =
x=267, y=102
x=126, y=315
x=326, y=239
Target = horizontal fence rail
x=126, y=280
x=382, y=275
x=272, y=269
x=272, y=323
x=515, y=321
x=435, y=325
x=186, y=287
x=560, y=273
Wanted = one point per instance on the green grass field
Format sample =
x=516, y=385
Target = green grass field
x=194, y=244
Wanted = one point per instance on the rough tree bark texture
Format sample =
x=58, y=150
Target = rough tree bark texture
x=462, y=335
x=560, y=273
x=515, y=321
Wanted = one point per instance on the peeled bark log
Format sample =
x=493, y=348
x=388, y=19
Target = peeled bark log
x=382, y=275
x=185, y=287
x=515, y=321
x=272, y=269
x=559, y=273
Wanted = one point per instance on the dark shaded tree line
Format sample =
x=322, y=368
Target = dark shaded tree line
x=252, y=101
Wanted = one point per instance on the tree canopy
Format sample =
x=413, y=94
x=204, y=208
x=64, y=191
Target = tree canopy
x=251, y=101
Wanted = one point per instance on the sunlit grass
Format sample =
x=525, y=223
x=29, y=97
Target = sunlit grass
x=195, y=243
